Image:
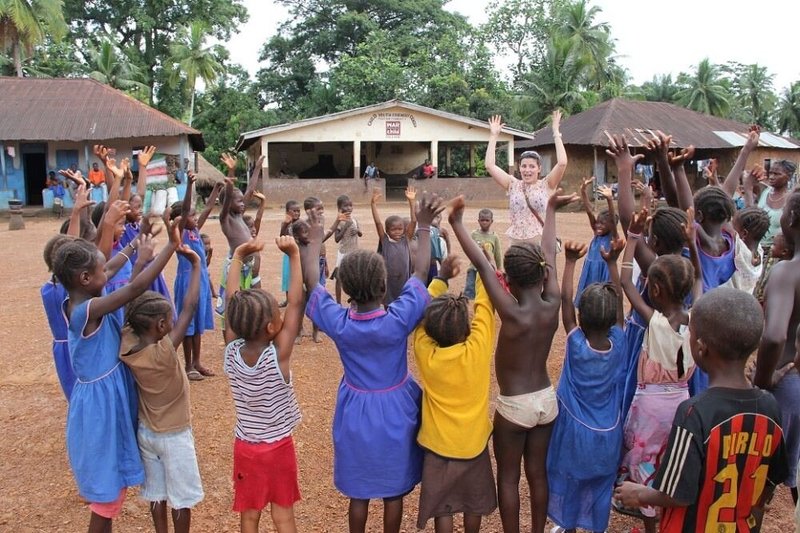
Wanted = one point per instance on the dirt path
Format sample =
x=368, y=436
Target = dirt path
x=38, y=492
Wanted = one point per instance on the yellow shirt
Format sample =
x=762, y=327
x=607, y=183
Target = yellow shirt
x=455, y=381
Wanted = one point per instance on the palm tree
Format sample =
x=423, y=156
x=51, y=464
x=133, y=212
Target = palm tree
x=194, y=60
x=660, y=89
x=589, y=42
x=25, y=23
x=706, y=91
x=115, y=69
x=752, y=85
x=789, y=110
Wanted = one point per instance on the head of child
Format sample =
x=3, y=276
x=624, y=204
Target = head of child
x=604, y=223
x=344, y=204
x=237, y=201
x=135, y=212
x=301, y=232
x=254, y=315
x=251, y=225
x=780, y=172
x=293, y=209
x=713, y=207
x=176, y=210
x=97, y=217
x=526, y=267
x=149, y=315
x=725, y=339
x=394, y=227
x=87, y=230
x=485, y=219
x=669, y=281
x=51, y=249
x=781, y=250
x=751, y=223
x=363, y=276
x=530, y=165
x=447, y=320
x=597, y=310
x=51, y=178
x=665, y=233
x=314, y=203
x=80, y=266
x=790, y=219
x=206, y=243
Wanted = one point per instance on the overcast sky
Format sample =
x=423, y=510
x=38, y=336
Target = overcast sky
x=652, y=37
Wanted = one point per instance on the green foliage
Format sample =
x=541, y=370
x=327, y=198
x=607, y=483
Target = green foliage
x=26, y=23
x=789, y=111
x=753, y=99
x=48, y=59
x=113, y=68
x=705, y=91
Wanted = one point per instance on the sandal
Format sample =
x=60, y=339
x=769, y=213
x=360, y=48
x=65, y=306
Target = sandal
x=205, y=372
x=194, y=375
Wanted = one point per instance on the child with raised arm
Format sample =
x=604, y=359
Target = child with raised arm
x=393, y=244
x=488, y=240
x=102, y=407
x=149, y=342
x=454, y=359
x=526, y=406
x=724, y=442
x=346, y=234
x=258, y=366
x=587, y=438
x=202, y=317
x=776, y=351
x=665, y=363
x=750, y=224
x=292, y=215
x=233, y=225
x=373, y=458
x=604, y=227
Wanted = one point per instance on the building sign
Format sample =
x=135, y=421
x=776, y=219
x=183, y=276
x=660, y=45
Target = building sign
x=393, y=128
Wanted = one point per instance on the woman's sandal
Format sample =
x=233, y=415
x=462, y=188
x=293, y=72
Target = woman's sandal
x=194, y=375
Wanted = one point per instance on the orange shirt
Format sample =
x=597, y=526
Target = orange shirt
x=97, y=177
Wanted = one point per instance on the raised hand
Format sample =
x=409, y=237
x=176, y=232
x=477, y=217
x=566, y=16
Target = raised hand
x=611, y=255
x=117, y=211
x=559, y=199
x=376, y=195
x=101, y=152
x=606, y=192
x=574, y=250
x=250, y=247
x=427, y=209
x=188, y=253
x=451, y=267
x=411, y=193
x=259, y=162
x=556, y=121
x=82, y=198
x=639, y=221
x=689, y=230
x=125, y=166
x=146, y=247
x=192, y=177
x=752, y=137
x=147, y=226
x=111, y=165
x=495, y=125
x=74, y=177
x=586, y=182
x=659, y=143
x=758, y=173
x=260, y=196
x=456, y=206
x=679, y=157
x=618, y=149
x=145, y=156
x=229, y=161
x=175, y=231
x=286, y=244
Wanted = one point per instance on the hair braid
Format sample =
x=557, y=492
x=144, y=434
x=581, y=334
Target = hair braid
x=144, y=309
x=447, y=319
x=363, y=276
x=525, y=264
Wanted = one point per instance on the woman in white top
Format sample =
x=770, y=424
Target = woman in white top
x=527, y=198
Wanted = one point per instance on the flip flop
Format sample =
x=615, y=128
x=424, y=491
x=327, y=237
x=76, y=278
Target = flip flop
x=194, y=375
x=205, y=372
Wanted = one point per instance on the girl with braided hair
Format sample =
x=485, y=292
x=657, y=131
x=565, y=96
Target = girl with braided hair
x=454, y=361
x=376, y=420
x=751, y=224
x=149, y=345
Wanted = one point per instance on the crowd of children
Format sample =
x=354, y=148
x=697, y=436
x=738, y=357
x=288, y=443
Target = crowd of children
x=653, y=414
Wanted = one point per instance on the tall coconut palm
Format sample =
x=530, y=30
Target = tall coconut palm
x=752, y=86
x=193, y=59
x=589, y=41
x=25, y=23
x=660, y=89
x=706, y=91
x=113, y=68
x=789, y=110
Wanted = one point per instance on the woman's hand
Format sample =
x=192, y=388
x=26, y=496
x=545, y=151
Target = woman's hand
x=495, y=125
x=556, y=122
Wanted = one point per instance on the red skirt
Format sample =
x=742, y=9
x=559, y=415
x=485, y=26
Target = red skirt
x=264, y=472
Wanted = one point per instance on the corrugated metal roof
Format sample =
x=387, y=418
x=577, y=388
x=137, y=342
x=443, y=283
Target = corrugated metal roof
x=80, y=109
x=249, y=137
x=636, y=119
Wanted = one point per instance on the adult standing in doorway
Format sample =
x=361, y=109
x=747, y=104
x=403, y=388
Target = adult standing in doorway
x=527, y=197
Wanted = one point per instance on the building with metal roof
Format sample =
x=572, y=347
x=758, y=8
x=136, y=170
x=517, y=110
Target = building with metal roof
x=584, y=136
x=328, y=155
x=51, y=123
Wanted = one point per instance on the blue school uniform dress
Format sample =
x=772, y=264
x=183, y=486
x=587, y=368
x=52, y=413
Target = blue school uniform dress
x=53, y=296
x=159, y=284
x=717, y=270
x=102, y=417
x=377, y=414
x=120, y=279
x=586, y=444
x=204, y=315
x=594, y=268
x=635, y=327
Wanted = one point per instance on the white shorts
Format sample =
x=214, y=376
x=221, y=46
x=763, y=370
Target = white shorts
x=171, y=473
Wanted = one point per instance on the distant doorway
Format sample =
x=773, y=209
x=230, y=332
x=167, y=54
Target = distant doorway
x=34, y=167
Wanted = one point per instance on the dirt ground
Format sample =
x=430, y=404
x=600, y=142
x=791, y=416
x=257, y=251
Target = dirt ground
x=38, y=492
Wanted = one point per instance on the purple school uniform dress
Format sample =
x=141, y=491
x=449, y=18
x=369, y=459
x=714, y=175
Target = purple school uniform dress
x=377, y=416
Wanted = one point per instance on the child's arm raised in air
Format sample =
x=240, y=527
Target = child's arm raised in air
x=108, y=303
x=676, y=161
x=552, y=292
x=309, y=254
x=636, y=300
x=555, y=175
x=606, y=192
x=82, y=203
x=610, y=257
x=242, y=252
x=644, y=254
x=262, y=204
x=144, y=158
x=659, y=145
x=212, y=199
x=250, y=191
x=186, y=206
x=626, y=163
x=293, y=315
x=499, y=175
x=146, y=252
x=230, y=162
x=572, y=252
x=190, y=300
x=690, y=232
x=587, y=203
x=411, y=196
x=114, y=214
x=376, y=217
x=427, y=209
x=732, y=179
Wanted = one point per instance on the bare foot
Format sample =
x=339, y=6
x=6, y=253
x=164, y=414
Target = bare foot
x=204, y=371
